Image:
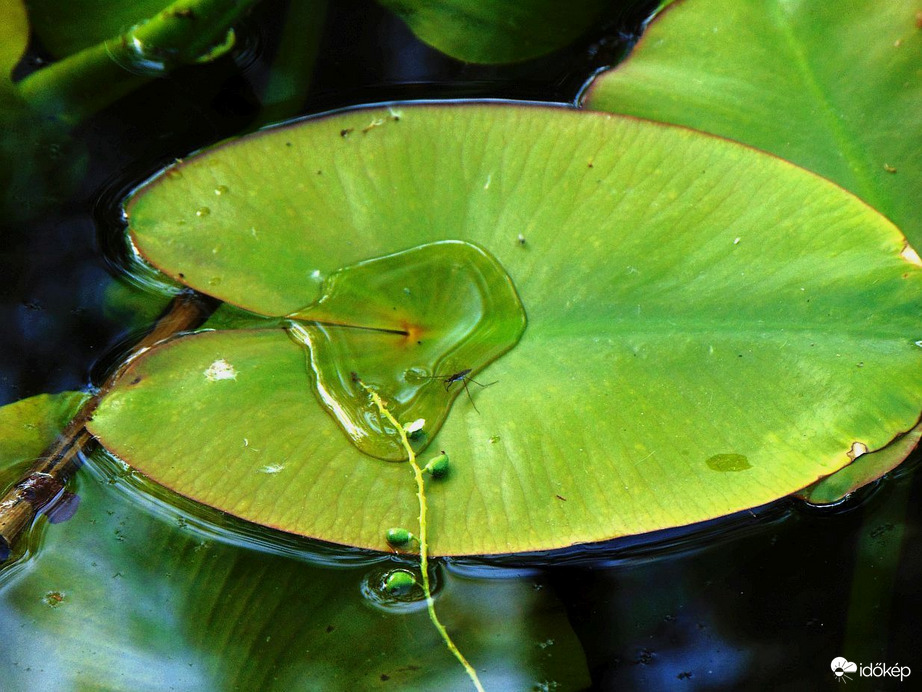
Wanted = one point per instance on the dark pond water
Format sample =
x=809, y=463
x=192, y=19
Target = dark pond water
x=142, y=590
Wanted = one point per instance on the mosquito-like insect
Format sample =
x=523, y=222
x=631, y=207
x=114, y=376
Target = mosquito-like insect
x=462, y=376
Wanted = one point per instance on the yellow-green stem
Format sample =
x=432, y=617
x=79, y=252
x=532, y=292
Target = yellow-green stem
x=423, y=544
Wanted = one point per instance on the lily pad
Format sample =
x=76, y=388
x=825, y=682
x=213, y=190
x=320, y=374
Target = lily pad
x=709, y=328
x=835, y=87
x=497, y=31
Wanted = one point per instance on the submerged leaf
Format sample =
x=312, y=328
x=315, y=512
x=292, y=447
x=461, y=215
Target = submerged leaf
x=709, y=328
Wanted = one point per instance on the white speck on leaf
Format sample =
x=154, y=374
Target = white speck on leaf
x=377, y=122
x=911, y=256
x=858, y=448
x=220, y=370
x=272, y=468
x=415, y=426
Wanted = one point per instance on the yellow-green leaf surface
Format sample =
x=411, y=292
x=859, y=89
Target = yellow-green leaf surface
x=835, y=87
x=709, y=328
x=497, y=31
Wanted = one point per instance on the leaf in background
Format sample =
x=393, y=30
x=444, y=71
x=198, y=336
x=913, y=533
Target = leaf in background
x=38, y=162
x=835, y=87
x=709, y=328
x=27, y=428
x=30, y=425
x=497, y=31
x=68, y=27
x=132, y=303
x=14, y=37
x=110, y=66
x=133, y=595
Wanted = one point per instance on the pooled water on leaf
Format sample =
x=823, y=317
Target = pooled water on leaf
x=728, y=462
x=407, y=325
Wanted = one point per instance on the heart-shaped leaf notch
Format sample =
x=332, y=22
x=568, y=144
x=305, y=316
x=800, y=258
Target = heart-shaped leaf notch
x=414, y=325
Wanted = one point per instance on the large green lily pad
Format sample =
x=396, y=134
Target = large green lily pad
x=709, y=328
x=835, y=87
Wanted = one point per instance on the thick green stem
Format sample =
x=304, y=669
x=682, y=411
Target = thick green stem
x=187, y=31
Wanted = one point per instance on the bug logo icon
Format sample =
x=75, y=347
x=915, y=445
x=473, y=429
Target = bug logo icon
x=841, y=667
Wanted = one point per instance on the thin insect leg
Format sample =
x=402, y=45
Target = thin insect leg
x=470, y=398
x=468, y=379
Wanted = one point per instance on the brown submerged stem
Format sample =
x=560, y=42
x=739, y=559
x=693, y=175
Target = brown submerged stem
x=46, y=478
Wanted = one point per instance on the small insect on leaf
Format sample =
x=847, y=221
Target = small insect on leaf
x=464, y=377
